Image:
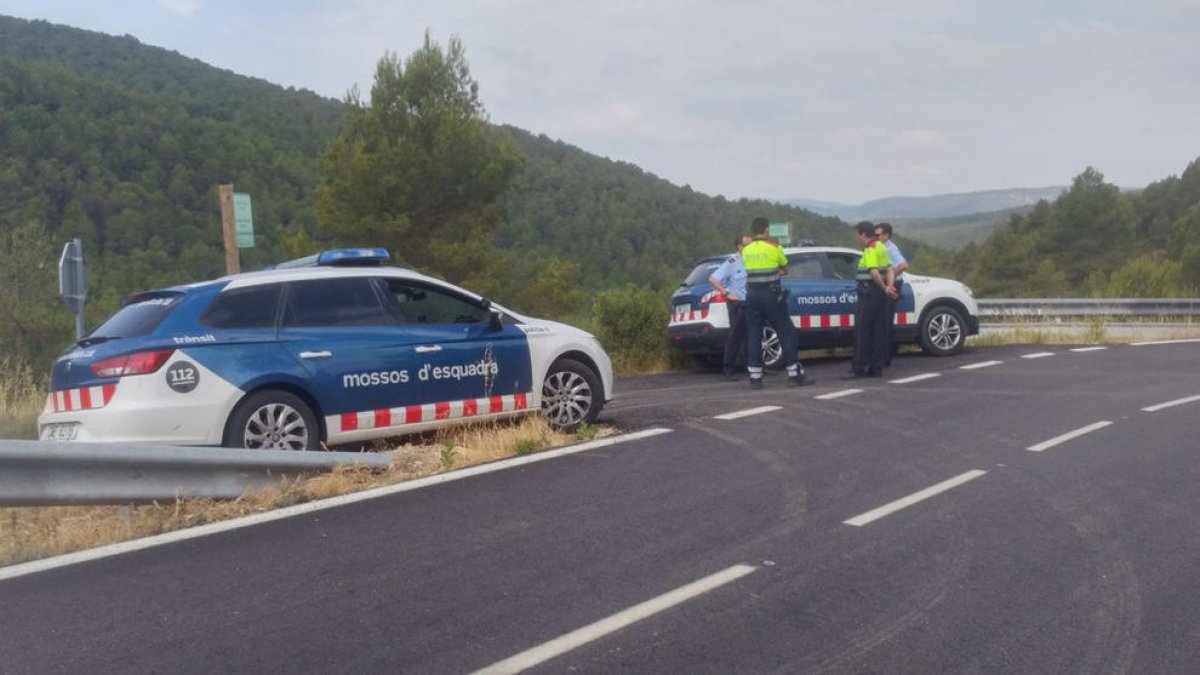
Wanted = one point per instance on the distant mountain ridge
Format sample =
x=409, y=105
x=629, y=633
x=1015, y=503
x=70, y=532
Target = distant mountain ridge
x=935, y=206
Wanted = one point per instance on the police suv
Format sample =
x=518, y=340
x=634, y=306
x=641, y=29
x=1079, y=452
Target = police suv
x=938, y=314
x=332, y=348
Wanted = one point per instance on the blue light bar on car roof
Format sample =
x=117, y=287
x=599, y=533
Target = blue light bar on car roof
x=340, y=257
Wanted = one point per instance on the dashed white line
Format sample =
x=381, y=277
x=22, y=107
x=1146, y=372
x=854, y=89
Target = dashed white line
x=1088, y=349
x=981, y=364
x=44, y=564
x=838, y=394
x=915, y=378
x=1165, y=342
x=746, y=413
x=904, y=502
x=577, y=638
x=1037, y=355
x=1170, y=404
x=1068, y=436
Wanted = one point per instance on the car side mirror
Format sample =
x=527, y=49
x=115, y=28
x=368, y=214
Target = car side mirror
x=495, y=319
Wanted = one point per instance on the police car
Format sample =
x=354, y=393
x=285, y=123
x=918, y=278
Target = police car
x=938, y=314
x=332, y=348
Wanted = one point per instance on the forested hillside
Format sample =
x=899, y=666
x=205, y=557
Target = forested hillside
x=123, y=145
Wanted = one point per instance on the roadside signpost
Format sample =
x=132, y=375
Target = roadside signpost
x=782, y=233
x=72, y=281
x=237, y=225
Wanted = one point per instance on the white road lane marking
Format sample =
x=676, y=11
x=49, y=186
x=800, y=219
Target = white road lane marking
x=981, y=364
x=1165, y=342
x=838, y=394
x=1037, y=355
x=1170, y=404
x=309, y=507
x=1089, y=349
x=1068, y=436
x=577, y=638
x=904, y=502
x=915, y=378
x=746, y=413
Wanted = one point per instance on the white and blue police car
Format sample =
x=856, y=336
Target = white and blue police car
x=333, y=348
x=937, y=314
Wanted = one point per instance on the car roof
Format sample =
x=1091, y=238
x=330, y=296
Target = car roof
x=257, y=278
x=789, y=250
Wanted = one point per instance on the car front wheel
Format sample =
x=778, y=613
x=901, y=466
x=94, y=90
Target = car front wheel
x=772, y=349
x=571, y=395
x=943, y=331
x=273, y=420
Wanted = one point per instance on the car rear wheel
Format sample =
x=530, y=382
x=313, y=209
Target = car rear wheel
x=273, y=420
x=943, y=331
x=772, y=349
x=571, y=395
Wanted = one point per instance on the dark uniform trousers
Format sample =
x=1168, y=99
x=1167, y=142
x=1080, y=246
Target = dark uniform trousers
x=763, y=305
x=890, y=322
x=871, y=344
x=737, y=333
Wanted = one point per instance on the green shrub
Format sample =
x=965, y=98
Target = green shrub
x=631, y=323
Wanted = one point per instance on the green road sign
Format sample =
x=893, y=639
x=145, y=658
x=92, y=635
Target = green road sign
x=782, y=233
x=243, y=220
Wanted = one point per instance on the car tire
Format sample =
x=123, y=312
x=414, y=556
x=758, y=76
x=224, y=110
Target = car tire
x=571, y=395
x=942, y=331
x=772, y=349
x=273, y=420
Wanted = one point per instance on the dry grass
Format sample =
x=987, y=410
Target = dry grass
x=21, y=400
x=38, y=532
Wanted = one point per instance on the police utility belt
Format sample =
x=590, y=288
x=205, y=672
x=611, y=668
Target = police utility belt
x=774, y=288
x=865, y=284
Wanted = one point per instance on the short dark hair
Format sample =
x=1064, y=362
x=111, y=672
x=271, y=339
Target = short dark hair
x=886, y=227
x=737, y=241
x=759, y=226
x=866, y=228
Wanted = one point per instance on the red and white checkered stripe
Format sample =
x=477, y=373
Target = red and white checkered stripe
x=843, y=320
x=905, y=318
x=694, y=315
x=429, y=412
x=85, y=398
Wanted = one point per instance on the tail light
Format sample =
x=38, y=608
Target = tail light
x=137, y=363
x=712, y=296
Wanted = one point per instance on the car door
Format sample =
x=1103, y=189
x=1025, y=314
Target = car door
x=814, y=301
x=841, y=266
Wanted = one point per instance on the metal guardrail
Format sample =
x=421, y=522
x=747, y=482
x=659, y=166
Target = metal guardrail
x=36, y=473
x=1063, y=308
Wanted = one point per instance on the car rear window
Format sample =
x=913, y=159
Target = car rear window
x=702, y=272
x=140, y=315
x=249, y=307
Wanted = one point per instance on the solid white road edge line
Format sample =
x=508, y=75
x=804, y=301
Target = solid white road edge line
x=44, y=564
x=1169, y=404
x=1037, y=355
x=981, y=364
x=915, y=378
x=1068, y=436
x=561, y=645
x=838, y=394
x=904, y=502
x=1088, y=349
x=1165, y=342
x=746, y=413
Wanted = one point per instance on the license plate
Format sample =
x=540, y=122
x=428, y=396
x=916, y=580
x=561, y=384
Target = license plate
x=682, y=309
x=62, y=431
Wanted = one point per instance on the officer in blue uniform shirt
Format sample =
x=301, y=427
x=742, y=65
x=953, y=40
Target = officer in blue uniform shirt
x=730, y=280
x=899, y=266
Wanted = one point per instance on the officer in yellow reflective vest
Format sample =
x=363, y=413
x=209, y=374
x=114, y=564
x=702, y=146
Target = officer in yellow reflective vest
x=766, y=302
x=876, y=283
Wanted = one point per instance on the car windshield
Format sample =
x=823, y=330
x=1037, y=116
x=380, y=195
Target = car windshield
x=139, y=316
x=702, y=272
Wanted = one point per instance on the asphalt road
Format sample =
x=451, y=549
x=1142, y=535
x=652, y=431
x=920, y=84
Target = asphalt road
x=804, y=539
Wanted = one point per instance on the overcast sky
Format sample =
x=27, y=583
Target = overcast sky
x=842, y=101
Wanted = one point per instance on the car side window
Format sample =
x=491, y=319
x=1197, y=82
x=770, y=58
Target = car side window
x=350, y=301
x=805, y=266
x=248, y=307
x=843, y=265
x=417, y=303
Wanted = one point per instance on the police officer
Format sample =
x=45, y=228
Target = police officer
x=875, y=280
x=730, y=280
x=766, y=302
x=899, y=266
